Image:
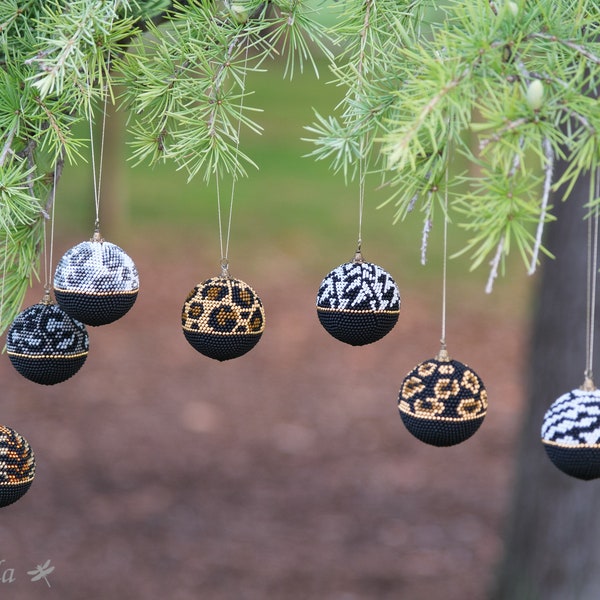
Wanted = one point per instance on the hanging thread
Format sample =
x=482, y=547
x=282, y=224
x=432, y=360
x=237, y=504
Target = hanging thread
x=224, y=246
x=443, y=355
x=361, y=199
x=97, y=174
x=49, y=253
x=592, y=270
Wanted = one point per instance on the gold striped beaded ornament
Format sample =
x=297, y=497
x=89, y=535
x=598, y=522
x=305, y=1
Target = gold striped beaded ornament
x=442, y=401
x=223, y=317
x=17, y=466
x=45, y=345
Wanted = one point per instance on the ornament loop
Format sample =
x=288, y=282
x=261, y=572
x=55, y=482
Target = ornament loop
x=588, y=384
x=224, y=268
x=97, y=237
x=47, y=299
x=358, y=257
x=443, y=355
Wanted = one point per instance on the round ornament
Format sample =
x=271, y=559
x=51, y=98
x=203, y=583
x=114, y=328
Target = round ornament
x=442, y=402
x=223, y=318
x=17, y=466
x=45, y=344
x=571, y=433
x=96, y=282
x=358, y=302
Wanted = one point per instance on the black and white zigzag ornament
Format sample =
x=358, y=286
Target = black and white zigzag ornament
x=17, y=466
x=442, y=402
x=358, y=302
x=96, y=282
x=571, y=432
x=45, y=344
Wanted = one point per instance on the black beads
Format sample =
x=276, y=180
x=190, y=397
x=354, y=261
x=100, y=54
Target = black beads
x=46, y=345
x=442, y=402
x=358, y=303
x=96, y=282
x=571, y=433
x=223, y=318
x=17, y=466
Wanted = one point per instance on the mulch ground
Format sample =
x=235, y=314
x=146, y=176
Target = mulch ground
x=286, y=474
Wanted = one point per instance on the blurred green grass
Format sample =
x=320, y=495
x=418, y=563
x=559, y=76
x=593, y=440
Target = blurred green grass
x=292, y=205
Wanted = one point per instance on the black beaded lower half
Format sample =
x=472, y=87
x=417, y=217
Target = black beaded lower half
x=222, y=347
x=10, y=493
x=357, y=328
x=95, y=309
x=441, y=432
x=580, y=462
x=47, y=370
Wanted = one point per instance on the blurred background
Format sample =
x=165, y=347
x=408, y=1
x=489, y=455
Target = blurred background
x=286, y=473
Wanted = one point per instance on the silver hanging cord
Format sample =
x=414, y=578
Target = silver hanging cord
x=224, y=245
x=49, y=253
x=97, y=174
x=592, y=278
x=443, y=354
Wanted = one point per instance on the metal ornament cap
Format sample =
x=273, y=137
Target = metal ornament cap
x=46, y=345
x=442, y=402
x=223, y=318
x=571, y=433
x=358, y=302
x=96, y=282
x=17, y=466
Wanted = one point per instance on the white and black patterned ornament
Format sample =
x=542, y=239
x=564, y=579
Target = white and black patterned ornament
x=223, y=318
x=442, y=402
x=96, y=282
x=17, y=466
x=45, y=344
x=571, y=432
x=358, y=302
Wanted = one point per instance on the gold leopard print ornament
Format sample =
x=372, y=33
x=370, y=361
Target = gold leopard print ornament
x=442, y=402
x=223, y=318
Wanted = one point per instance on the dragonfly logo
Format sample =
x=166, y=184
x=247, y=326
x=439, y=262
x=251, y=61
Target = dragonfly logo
x=41, y=572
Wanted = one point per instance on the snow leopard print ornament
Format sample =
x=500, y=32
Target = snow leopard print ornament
x=96, y=282
x=442, y=402
x=45, y=345
x=571, y=433
x=17, y=466
x=358, y=302
x=223, y=318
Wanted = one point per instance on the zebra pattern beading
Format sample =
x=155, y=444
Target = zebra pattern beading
x=573, y=419
x=359, y=286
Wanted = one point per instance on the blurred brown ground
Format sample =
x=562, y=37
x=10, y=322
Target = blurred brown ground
x=285, y=474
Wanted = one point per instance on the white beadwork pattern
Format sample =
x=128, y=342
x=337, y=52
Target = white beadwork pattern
x=573, y=419
x=359, y=286
x=96, y=267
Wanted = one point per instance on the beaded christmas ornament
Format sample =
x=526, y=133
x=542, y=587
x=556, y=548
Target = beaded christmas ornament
x=45, y=344
x=442, y=402
x=223, y=318
x=17, y=466
x=96, y=282
x=358, y=302
x=571, y=426
x=571, y=432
